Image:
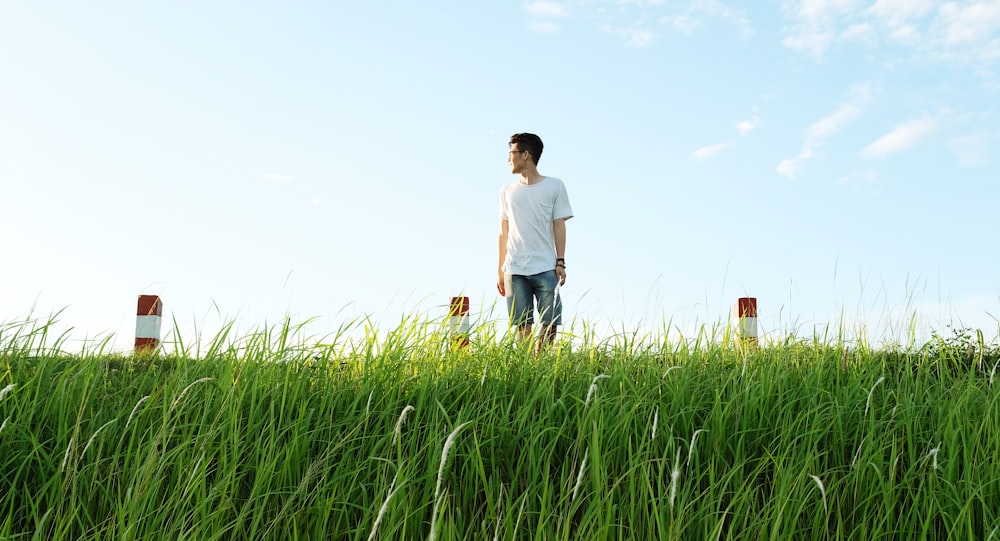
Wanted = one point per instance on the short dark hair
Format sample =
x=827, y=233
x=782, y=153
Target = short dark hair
x=530, y=142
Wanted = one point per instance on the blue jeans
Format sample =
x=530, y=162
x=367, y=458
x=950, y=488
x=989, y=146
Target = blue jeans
x=524, y=291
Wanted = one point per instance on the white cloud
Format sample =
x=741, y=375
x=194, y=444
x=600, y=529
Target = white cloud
x=639, y=22
x=635, y=37
x=789, y=167
x=900, y=12
x=972, y=150
x=815, y=23
x=901, y=138
x=821, y=130
x=698, y=12
x=975, y=22
x=747, y=126
x=705, y=153
x=546, y=9
x=542, y=13
x=943, y=31
x=867, y=177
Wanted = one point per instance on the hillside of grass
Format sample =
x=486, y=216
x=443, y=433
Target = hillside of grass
x=407, y=437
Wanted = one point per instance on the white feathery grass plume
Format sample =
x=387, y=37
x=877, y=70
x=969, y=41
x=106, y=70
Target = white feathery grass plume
x=134, y=410
x=868, y=402
x=993, y=373
x=4, y=425
x=579, y=475
x=482, y=380
x=669, y=370
x=437, y=489
x=822, y=490
x=5, y=390
x=185, y=391
x=675, y=474
x=496, y=530
x=62, y=467
x=933, y=454
x=691, y=445
x=858, y=452
x=400, y=422
x=91, y=440
x=368, y=406
x=593, y=388
x=385, y=506
x=656, y=418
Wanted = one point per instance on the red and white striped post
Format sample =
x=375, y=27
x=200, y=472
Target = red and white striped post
x=746, y=312
x=148, y=317
x=458, y=320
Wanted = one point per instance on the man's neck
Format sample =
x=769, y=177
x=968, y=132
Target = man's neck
x=531, y=177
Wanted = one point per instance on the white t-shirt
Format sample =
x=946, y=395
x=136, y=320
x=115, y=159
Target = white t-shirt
x=530, y=210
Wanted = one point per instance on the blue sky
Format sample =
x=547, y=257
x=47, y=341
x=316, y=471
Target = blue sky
x=836, y=159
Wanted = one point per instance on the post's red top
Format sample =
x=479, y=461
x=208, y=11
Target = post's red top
x=149, y=305
x=746, y=307
x=459, y=306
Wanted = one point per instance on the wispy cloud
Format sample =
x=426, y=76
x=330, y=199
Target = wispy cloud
x=969, y=23
x=749, y=125
x=815, y=23
x=637, y=36
x=705, y=153
x=276, y=178
x=543, y=15
x=638, y=22
x=546, y=8
x=699, y=13
x=956, y=32
x=972, y=150
x=821, y=130
x=901, y=138
x=858, y=177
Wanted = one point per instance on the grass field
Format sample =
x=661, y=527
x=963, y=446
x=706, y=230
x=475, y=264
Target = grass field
x=404, y=437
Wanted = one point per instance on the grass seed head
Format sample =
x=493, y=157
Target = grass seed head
x=98, y=431
x=385, y=505
x=5, y=390
x=185, y=391
x=656, y=418
x=400, y=422
x=868, y=402
x=822, y=490
x=691, y=445
x=933, y=454
x=593, y=388
x=134, y=410
x=579, y=474
x=675, y=474
x=437, y=489
x=62, y=467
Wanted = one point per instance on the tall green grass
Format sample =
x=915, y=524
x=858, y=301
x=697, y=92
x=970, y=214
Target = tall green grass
x=402, y=436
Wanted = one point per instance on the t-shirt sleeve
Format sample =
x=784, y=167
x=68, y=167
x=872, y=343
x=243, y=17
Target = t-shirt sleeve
x=561, y=209
x=503, y=206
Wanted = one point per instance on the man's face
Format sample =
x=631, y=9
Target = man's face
x=517, y=159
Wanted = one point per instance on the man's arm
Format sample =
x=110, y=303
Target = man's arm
x=502, y=250
x=559, y=233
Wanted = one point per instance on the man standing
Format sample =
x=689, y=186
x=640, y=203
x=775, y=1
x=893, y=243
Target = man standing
x=532, y=243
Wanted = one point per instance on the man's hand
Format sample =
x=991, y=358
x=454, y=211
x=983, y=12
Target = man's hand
x=501, y=284
x=561, y=273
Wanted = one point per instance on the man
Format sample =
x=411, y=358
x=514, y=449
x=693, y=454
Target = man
x=532, y=243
